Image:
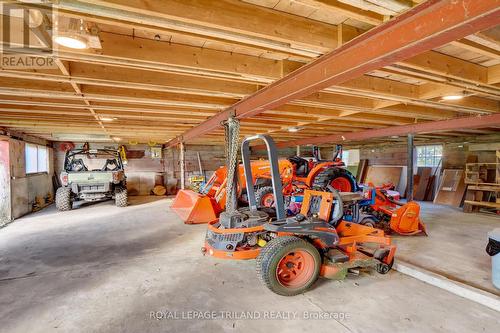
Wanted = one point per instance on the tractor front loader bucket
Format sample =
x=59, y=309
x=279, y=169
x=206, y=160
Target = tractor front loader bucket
x=195, y=208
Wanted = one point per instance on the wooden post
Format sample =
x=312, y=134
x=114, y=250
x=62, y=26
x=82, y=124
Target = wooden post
x=183, y=164
x=298, y=150
x=409, y=182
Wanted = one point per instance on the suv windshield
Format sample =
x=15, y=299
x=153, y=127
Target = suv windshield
x=93, y=160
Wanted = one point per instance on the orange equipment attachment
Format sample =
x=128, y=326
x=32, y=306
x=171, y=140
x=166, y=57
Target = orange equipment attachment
x=404, y=220
x=203, y=207
x=195, y=208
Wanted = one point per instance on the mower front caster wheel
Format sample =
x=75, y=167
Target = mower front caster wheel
x=384, y=268
x=288, y=265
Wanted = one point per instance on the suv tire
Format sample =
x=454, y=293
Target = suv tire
x=121, y=197
x=63, y=199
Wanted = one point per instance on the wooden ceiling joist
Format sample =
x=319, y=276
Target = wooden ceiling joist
x=179, y=62
x=411, y=33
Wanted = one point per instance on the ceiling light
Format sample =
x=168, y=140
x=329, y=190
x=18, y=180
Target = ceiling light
x=117, y=138
x=294, y=129
x=107, y=118
x=452, y=97
x=394, y=137
x=80, y=137
x=72, y=42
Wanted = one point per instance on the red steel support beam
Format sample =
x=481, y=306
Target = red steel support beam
x=427, y=26
x=428, y=127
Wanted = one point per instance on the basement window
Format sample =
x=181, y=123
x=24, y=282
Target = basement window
x=36, y=158
x=429, y=156
x=350, y=157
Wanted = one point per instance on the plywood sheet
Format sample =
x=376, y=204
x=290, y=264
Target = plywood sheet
x=379, y=175
x=451, y=189
x=424, y=174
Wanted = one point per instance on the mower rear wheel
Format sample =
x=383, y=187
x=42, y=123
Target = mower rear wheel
x=265, y=196
x=288, y=265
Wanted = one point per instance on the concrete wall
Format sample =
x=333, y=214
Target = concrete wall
x=19, y=190
x=5, y=210
x=25, y=188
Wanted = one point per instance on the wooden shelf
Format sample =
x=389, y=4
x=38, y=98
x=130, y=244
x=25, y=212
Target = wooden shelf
x=484, y=187
x=483, y=203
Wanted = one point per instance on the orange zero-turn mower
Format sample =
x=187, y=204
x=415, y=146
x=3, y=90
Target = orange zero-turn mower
x=293, y=252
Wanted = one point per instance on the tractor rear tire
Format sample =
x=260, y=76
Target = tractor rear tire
x=339, y=179
x=63, y=199
x=121, y=197
x=288, y=265
x=263, y=195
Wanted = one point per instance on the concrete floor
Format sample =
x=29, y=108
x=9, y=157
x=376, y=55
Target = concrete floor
x=455, y=247
x=105, y=269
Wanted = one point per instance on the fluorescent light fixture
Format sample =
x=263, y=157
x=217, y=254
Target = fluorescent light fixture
x=294, y=129
x=80, y=137
x=452, y=97
x=108, y=118
x=71, y=41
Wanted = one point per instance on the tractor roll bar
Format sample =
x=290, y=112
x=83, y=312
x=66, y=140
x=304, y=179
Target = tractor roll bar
x=272, y=155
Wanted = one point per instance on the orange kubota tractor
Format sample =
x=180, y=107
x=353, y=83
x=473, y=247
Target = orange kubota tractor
x=297, y=174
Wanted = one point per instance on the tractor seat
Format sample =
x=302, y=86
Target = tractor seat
x=301, y=165
x=111, y=165
x=78, y=165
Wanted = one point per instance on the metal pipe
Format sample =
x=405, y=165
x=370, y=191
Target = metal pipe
x=182, y=163
x=409, y=175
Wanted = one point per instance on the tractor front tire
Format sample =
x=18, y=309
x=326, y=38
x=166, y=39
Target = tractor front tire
x=63, y=199
x=288, y=265
x=264, y=197
x=121, y=197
